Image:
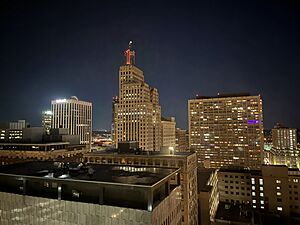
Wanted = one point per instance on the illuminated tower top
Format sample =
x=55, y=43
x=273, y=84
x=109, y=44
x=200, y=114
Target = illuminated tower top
x=129, y=55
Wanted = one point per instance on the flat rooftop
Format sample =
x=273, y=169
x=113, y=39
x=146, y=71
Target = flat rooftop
x=139, y=153
x=146, y=176
x=230, y=95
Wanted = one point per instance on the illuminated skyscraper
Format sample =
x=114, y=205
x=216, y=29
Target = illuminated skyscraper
x=227, y=130
x=285, y=146
x=46, y=120
x=138, y=115
x=168, y=130
x=75, y=115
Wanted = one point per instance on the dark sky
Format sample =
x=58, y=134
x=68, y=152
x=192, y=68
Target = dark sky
x=56, y=49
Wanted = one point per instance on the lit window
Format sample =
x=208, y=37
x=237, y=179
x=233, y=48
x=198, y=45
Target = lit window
x=254, y=201
x=261, y=182
x=254, y=206
x=261, y=188
x=279, y=208
x=278, y=181
x=262, y=202
x=253, y=193
x=252, y=180
x=262, y=207
x=278, y=193
x=253, y=187
x=261, y=194
x=278, y=187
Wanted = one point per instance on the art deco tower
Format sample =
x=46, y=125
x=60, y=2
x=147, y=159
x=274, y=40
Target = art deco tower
x=138, y=112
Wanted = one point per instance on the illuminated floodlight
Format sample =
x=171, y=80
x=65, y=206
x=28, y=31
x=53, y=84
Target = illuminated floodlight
x=48, y=112
x=61, y=100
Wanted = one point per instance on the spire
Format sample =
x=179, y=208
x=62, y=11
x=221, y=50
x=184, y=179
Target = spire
x=129, y=55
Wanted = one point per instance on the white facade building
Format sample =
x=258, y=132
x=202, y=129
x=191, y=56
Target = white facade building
x=75, y=115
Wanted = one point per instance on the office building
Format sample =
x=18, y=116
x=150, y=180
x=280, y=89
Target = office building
x=138, y=116
x=11, y=153
x=273, y=188
x=284, y=147
x=46, y=120
x=186, y=161
x=75, y=115
x=208, y=195
x=4, y=130
x=226, y=130
x=15, y=132
x=70, y=193
x=168, y=130
x=181, y=140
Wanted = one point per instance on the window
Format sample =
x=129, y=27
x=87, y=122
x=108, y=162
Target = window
x=261, y=181
x=279, y=208
x=278, y=193
x=254, y=201
x=278, y=182
x=261, y=194
x=261, y=188
x=253, y=193
x=278, y=187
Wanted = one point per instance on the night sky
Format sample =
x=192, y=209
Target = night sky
x=56, y=49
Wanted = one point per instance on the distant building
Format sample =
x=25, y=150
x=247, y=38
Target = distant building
x=60, y=193
x=15, y=132
x=181, y=140
x=284, y=146
x=4, y=130
x=208, y=195
x=138, y=112
x=186, y=161
x=47, y=120
x=168, y=129
x=75, y=115
x=272, y=189
x=11, y=153
x=115, y=102
x=226, y=130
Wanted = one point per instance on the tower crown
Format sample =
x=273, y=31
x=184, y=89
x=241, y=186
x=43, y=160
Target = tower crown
x=129, y=55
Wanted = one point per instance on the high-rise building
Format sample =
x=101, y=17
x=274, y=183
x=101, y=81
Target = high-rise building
x=168, y=129
x=181, y=140
x=226, y=130
x=284, y=148
x=74, y=193
x=208, y=195
x=46, y=120
x=138, y=115
x=186, y=161
x=273, y=188
x=75, y=115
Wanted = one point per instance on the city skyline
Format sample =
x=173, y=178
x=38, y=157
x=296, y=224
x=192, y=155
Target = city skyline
x=76, y=49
